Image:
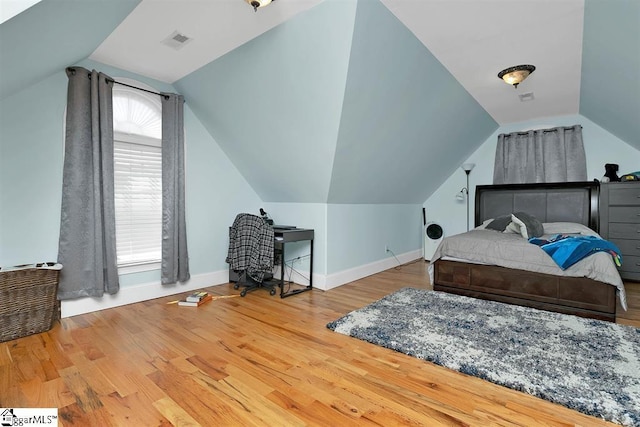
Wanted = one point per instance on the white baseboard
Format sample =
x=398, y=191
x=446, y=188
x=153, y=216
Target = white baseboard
x=142, y=292
x=346, y=276
x=147, y=291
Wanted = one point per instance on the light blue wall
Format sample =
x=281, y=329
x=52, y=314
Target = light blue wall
x=274, y=103
x=610, y=87
x=31, y=133
x=341, y=104
x=53, y=34
x=600, y=147
x=357, y=234
x=350, y=235
x=31, y=156
x=31, y=151
x=405, y=118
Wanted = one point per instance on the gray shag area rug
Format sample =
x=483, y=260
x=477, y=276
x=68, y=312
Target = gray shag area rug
x=587, y=365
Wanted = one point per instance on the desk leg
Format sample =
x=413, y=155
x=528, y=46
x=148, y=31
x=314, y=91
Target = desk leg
x=297, y=291
x=311, y=267
x=282, y=272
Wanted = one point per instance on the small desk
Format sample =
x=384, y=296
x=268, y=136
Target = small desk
x=283, y=236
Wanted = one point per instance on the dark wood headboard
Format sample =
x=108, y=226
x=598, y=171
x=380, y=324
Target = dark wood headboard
x=548, y=202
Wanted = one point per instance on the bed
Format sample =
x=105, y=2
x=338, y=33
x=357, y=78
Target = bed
x=520, y=272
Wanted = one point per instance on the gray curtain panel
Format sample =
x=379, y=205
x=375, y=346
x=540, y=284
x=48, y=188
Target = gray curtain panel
x=87, y=247
x=543, y=155
x=175, y=258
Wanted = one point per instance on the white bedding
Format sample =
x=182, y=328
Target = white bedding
x=513, y=251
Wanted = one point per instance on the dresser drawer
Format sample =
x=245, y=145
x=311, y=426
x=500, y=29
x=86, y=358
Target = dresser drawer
x=619, y=230
x=628, y=247
x=629, y=195
x=624, y=214
x=630, y=264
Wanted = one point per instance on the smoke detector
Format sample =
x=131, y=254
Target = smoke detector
x=176, y=40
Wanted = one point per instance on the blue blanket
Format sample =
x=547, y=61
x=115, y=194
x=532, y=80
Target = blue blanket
x=567, y=250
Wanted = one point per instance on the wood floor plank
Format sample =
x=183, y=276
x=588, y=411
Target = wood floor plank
x=74, y=415
x=48, y=394
x=134, y=410
x=249, y=396
x=205, y=402
x=173, y=412
x=257, y=361
x=85, y=396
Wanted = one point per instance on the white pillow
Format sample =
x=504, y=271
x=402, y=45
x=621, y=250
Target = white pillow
x=567, y=228
x=514, y=227
x=529, y=226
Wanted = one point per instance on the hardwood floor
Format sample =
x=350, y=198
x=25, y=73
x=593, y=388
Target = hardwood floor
x=255, y=361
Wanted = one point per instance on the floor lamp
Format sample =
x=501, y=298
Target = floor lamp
x=464, y=193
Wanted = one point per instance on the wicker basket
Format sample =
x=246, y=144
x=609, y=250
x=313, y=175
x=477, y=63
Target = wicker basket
x=28, y=301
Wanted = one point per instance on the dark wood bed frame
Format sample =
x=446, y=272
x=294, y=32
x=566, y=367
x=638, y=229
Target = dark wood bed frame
x=549, y=202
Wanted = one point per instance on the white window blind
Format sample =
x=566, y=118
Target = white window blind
x=138, y=202
x=138, y=176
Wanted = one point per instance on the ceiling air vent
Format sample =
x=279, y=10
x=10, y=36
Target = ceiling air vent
x=176, y=40
x=526, y=97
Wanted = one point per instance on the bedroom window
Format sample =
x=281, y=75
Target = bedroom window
x=137, y=126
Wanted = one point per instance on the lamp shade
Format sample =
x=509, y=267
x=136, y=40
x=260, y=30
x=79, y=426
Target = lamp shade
x=516, y=75
x=468, y=167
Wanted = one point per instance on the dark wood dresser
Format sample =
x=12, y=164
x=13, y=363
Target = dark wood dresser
x=620, y=223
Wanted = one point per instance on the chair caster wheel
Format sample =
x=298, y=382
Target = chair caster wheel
x=272, y=292
x=243, y=293
x=236, y=286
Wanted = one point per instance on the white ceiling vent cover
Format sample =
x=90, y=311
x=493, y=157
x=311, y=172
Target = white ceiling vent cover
x=525, y=97
x=176, y=40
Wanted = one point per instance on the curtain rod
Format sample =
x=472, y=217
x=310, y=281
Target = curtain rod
x=142, y=89
x=526, y=132
x=109, y=79
x=139, y=88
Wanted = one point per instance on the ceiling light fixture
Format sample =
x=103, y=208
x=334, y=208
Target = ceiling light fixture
x=516, y=75
x=258, y=3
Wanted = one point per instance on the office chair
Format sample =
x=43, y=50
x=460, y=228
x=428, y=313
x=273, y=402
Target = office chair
x=250, y=253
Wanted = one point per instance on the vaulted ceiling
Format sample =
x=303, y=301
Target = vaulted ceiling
x=350, y=101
